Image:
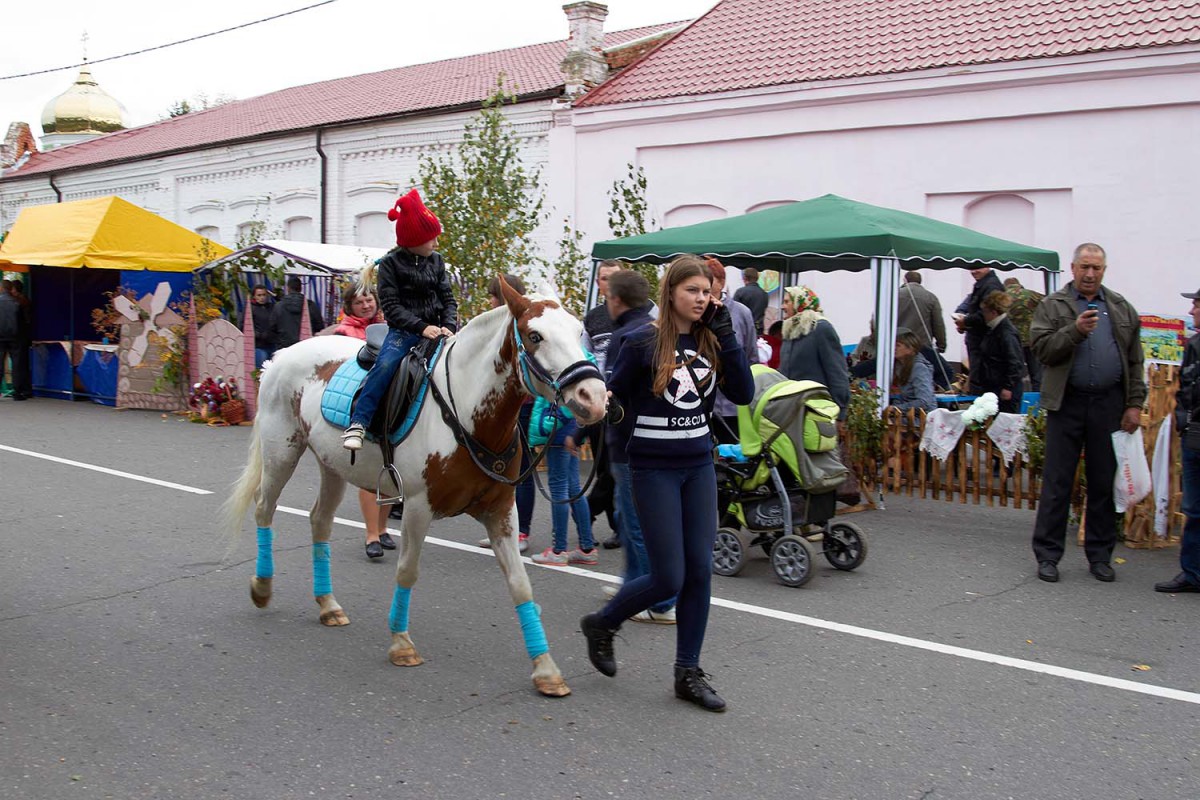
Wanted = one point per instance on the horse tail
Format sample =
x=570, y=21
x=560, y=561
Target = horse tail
x=245, y=490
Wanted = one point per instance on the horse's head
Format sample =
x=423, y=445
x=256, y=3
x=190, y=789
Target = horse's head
x=550, y=356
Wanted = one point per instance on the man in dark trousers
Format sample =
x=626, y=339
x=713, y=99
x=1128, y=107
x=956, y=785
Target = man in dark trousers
x=1088, y=339
x=285, y=316
x=1187, y=420
x=752, y=296
x=10, y=311
x=16, y=337
x=969, y=319
x=598, y=326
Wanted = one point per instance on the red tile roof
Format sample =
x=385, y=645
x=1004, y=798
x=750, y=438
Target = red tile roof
x=452, y=83
x=743, y=44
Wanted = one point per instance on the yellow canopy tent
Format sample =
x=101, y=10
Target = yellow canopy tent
x=103, y=233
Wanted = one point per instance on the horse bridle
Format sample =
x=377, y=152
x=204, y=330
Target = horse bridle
x=531, y=369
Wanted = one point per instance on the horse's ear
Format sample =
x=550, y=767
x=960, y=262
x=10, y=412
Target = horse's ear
x=517, y=303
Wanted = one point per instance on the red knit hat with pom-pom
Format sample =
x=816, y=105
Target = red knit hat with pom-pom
x=415, y=224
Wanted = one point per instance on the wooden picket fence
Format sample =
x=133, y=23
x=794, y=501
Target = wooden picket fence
x=975, y=472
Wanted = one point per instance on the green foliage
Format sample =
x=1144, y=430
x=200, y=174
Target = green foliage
x=866, y=426
x=1035, y=437
x=628, y=215
x=570, y=271
x=488, y=201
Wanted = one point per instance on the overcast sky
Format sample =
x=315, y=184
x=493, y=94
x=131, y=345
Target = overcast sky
x=345, y=37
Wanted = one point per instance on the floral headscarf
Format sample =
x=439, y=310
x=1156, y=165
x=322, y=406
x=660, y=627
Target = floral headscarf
x=808, y=312
x=803, y=298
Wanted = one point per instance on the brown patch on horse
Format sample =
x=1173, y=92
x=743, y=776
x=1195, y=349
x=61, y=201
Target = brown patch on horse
x=455, y=485
x=326, y=371
x=508, y=351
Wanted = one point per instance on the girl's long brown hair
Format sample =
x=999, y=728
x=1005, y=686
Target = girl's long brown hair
x=668, y=332
x=903, y=368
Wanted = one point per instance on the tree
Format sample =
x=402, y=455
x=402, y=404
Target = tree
x=570, y=271
x=199, y=102
x=628, y=214
x=488, y=202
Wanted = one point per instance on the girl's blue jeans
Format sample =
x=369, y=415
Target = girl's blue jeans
x=563, y=476
x=395, y=347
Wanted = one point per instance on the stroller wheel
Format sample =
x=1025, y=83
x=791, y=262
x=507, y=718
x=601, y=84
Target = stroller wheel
x=845, y=545
x=792, y=559
x=729, y=553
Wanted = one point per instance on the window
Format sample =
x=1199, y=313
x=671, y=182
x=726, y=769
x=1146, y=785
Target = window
x=210, y=232
x=299, y=229
x=374, y=230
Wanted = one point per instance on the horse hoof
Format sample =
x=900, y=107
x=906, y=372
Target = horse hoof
x=334, y=617
x=260, y=591
x=407, y=657
x=552, y=687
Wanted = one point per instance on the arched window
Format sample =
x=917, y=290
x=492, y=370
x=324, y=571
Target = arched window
x=1008, y=216
x=692, y=214
x=210, y=232
x=374, y=229
x=300, y=229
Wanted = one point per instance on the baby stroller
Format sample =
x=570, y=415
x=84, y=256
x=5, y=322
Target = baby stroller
x=777, y=488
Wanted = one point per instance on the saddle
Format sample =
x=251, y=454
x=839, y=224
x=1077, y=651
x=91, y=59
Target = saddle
x=404, y=390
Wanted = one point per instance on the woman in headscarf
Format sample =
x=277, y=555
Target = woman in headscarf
x=812, y=350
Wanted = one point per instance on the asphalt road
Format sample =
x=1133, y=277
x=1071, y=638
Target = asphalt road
x=133, y=665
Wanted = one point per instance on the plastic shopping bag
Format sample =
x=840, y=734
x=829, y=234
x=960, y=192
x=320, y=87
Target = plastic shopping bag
x=1132, y=482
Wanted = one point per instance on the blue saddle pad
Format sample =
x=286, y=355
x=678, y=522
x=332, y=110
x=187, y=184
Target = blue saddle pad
x=338, y=397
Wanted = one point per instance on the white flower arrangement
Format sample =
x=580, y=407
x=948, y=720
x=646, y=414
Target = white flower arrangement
x=983, y=409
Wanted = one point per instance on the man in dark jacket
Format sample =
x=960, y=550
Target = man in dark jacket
x=753, y=297
x=598, y=325
x=285, y=316
x=23, y=375
x=260, y=309
x=1088, y=339
x=967, y=317
x=1187, y=421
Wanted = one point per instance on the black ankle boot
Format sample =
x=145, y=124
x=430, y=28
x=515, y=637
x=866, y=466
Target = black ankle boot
x=600, y=643
x=691, y=684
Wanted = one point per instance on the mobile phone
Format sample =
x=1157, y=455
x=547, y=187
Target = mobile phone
x=1093, y=307
x=709, y=313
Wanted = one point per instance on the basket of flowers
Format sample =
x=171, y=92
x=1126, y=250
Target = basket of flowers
x=217, y=401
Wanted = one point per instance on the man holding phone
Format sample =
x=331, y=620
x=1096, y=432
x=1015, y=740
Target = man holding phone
x=1087, y=338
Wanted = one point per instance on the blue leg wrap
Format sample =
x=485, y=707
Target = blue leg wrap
x=398, y=619
x=265, y=566
x=530, y=617
x=322, y=583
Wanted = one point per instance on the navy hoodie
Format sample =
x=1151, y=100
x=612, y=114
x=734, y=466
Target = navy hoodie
x=672, y=431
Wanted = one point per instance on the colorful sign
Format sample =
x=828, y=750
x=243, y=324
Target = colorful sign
x=1163, y=339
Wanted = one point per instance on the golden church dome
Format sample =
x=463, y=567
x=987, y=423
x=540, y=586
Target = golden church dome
x=83, y=108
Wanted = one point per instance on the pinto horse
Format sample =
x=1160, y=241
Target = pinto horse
x=528, y=346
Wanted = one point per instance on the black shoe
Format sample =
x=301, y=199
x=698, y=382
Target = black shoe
x=22, y=396
x=397, y=511
x=1177, y=585
x=600, y=643
x=1048, y=571
x=611, y=543
x=1101, y=571
x=691, y=684
x=374, y=550
x=386, y=541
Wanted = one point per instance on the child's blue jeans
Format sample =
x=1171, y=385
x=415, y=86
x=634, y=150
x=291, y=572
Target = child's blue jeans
x=563, y=475
x=395, y=347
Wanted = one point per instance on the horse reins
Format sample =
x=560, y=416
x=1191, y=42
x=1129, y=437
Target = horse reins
x=530, y=370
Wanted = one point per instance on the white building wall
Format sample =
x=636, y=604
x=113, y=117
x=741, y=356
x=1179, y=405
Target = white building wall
x=277, y=181
x=1102, y=149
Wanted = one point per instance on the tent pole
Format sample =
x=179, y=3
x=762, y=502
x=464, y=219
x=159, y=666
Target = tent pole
x=885, y=274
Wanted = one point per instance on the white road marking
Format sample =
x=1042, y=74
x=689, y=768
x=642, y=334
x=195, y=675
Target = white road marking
x=1093, y=678
x=105, y=470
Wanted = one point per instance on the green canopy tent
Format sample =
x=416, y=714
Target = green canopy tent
x=830, y=234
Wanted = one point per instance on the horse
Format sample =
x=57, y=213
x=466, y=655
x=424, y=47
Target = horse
x=529, y=345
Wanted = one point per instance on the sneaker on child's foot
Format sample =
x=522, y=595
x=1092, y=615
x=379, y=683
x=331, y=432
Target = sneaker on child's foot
x=551, y=558
x=610, y=589
x=589, y=558
x=523, y=542
x=484, y=542
x=352, y=439
x=657, y=617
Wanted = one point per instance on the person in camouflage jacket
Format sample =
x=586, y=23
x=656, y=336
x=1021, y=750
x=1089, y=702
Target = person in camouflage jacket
x=1020, y=314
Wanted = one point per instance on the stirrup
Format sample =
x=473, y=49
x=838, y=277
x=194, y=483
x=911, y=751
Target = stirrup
x=391, y=471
